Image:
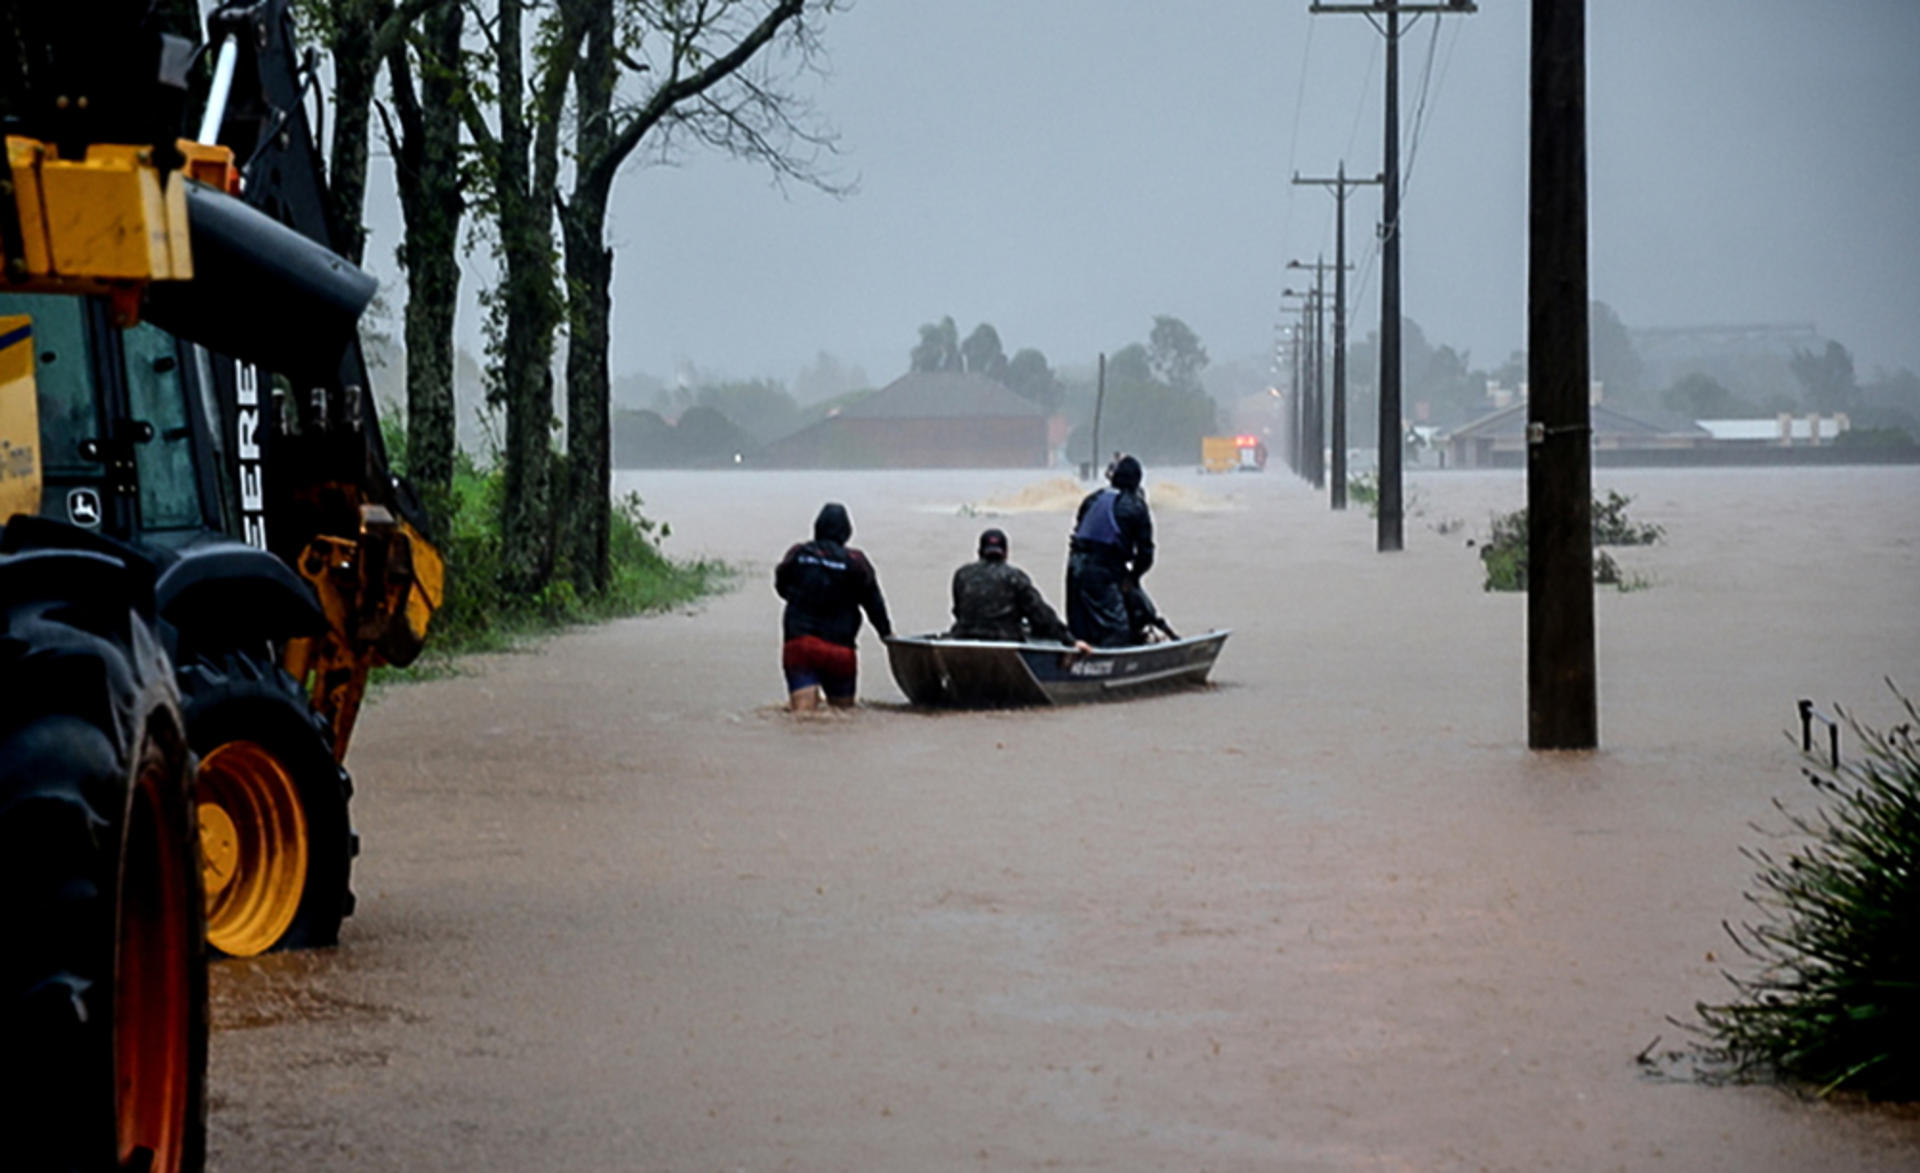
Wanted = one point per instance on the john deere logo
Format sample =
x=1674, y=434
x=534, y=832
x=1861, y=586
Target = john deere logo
x=83, y=507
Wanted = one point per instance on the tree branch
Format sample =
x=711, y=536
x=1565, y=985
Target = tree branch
x=394, y=27
x=679, y=89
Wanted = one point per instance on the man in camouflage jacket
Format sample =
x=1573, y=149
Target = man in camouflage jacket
x=993, y=599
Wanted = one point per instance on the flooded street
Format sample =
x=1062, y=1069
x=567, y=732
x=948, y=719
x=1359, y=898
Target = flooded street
x=618, y=911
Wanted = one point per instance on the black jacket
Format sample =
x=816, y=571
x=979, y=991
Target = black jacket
x=826, y=585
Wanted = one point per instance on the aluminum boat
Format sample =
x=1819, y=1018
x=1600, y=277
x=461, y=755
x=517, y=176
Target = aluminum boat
x=939, y=671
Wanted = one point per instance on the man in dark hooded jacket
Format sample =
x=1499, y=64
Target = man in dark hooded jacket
x=994, y=599
x=826, y=584
x=1112, y=549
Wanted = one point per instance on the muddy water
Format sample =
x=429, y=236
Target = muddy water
x=619, y=912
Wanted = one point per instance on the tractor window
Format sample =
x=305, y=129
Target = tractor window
x=156, y=394
x=63, y=377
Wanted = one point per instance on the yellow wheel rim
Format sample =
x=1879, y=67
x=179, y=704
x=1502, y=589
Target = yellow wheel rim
x=253, y=847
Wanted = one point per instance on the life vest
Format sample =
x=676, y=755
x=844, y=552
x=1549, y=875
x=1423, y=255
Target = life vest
x=1099, y=525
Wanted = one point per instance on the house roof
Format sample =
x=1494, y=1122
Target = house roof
x=1606, y=421
x=940, y=395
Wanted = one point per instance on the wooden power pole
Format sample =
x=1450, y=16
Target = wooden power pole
x=1391, y=532
x=1562, y=710
x=1337, y=496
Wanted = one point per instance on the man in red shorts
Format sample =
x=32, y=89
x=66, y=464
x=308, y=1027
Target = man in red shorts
x=826, y=584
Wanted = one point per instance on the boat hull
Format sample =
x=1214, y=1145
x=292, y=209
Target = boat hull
x=936, y=671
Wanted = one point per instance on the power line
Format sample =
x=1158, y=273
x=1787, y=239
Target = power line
x=1418, y=122
x=1360, y=107
x=1293, y=141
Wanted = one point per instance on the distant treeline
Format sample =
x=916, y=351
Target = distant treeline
x=1155, y=406
x=1755, y=374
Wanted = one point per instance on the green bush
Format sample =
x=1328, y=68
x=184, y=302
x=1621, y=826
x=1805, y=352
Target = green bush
x=1504, y=554
x=1836, y=1002
x=1364, y=489
x=1612, y=527
x=478, y=614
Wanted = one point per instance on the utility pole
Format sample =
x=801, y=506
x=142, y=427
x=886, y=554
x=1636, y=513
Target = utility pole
x=1313, y=413
x=1340, y=183
x=1562, y=711
x=1320, y=267
x=1290, y=449
x=1319, y=373
x=1391, y=534
x=1297, y=457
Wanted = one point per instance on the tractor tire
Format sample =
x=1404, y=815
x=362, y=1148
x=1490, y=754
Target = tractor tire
x=276, y=840
x=103, y=975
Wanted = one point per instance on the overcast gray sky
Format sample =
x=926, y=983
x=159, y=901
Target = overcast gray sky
x=1065, y=169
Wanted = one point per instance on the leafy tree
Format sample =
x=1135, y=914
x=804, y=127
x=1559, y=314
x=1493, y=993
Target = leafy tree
x=1175, y=354
x=1703, y=397
x=825, y=378
x=1612, y=359
x=1828, y=377
x=705, y=437
x=641, y=439
x=1129, y=364
x=518, y=168
x=939, y=348
x=425, y=150
x=1145, y=415
x=1029, y=376
x=982, y=354
x=359, y=35
x=759, y=407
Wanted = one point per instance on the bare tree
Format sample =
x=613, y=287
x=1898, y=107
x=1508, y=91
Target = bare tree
x=709, y=84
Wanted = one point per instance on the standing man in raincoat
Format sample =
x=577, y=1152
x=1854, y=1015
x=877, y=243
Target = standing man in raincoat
x=1111, y=550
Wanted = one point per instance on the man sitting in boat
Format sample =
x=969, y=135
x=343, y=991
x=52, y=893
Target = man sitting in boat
x=994, y=599
x=1112, y=549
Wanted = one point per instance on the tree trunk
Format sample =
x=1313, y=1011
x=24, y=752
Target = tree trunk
x=525, y=380
x=427, y=167
x=590, y=307
x=355, y=69
x=589, y=394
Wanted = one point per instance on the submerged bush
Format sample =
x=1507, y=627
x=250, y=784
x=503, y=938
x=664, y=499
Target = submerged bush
x=1612, y=527
x=1504, y=554
x=1836, y=1002
x=1364, y=489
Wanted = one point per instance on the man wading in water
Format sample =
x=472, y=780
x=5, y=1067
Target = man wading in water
x=826, y=584
x=1112, y=549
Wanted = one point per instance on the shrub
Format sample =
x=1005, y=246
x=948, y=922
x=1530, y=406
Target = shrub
x=1364, y=490
x=1836, y=1002
x=478, y=614
x=1504, y=554
x=1611, y=526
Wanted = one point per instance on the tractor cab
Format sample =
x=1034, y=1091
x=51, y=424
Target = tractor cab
x=130, y=439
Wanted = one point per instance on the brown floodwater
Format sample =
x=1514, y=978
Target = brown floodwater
x=619, y=911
